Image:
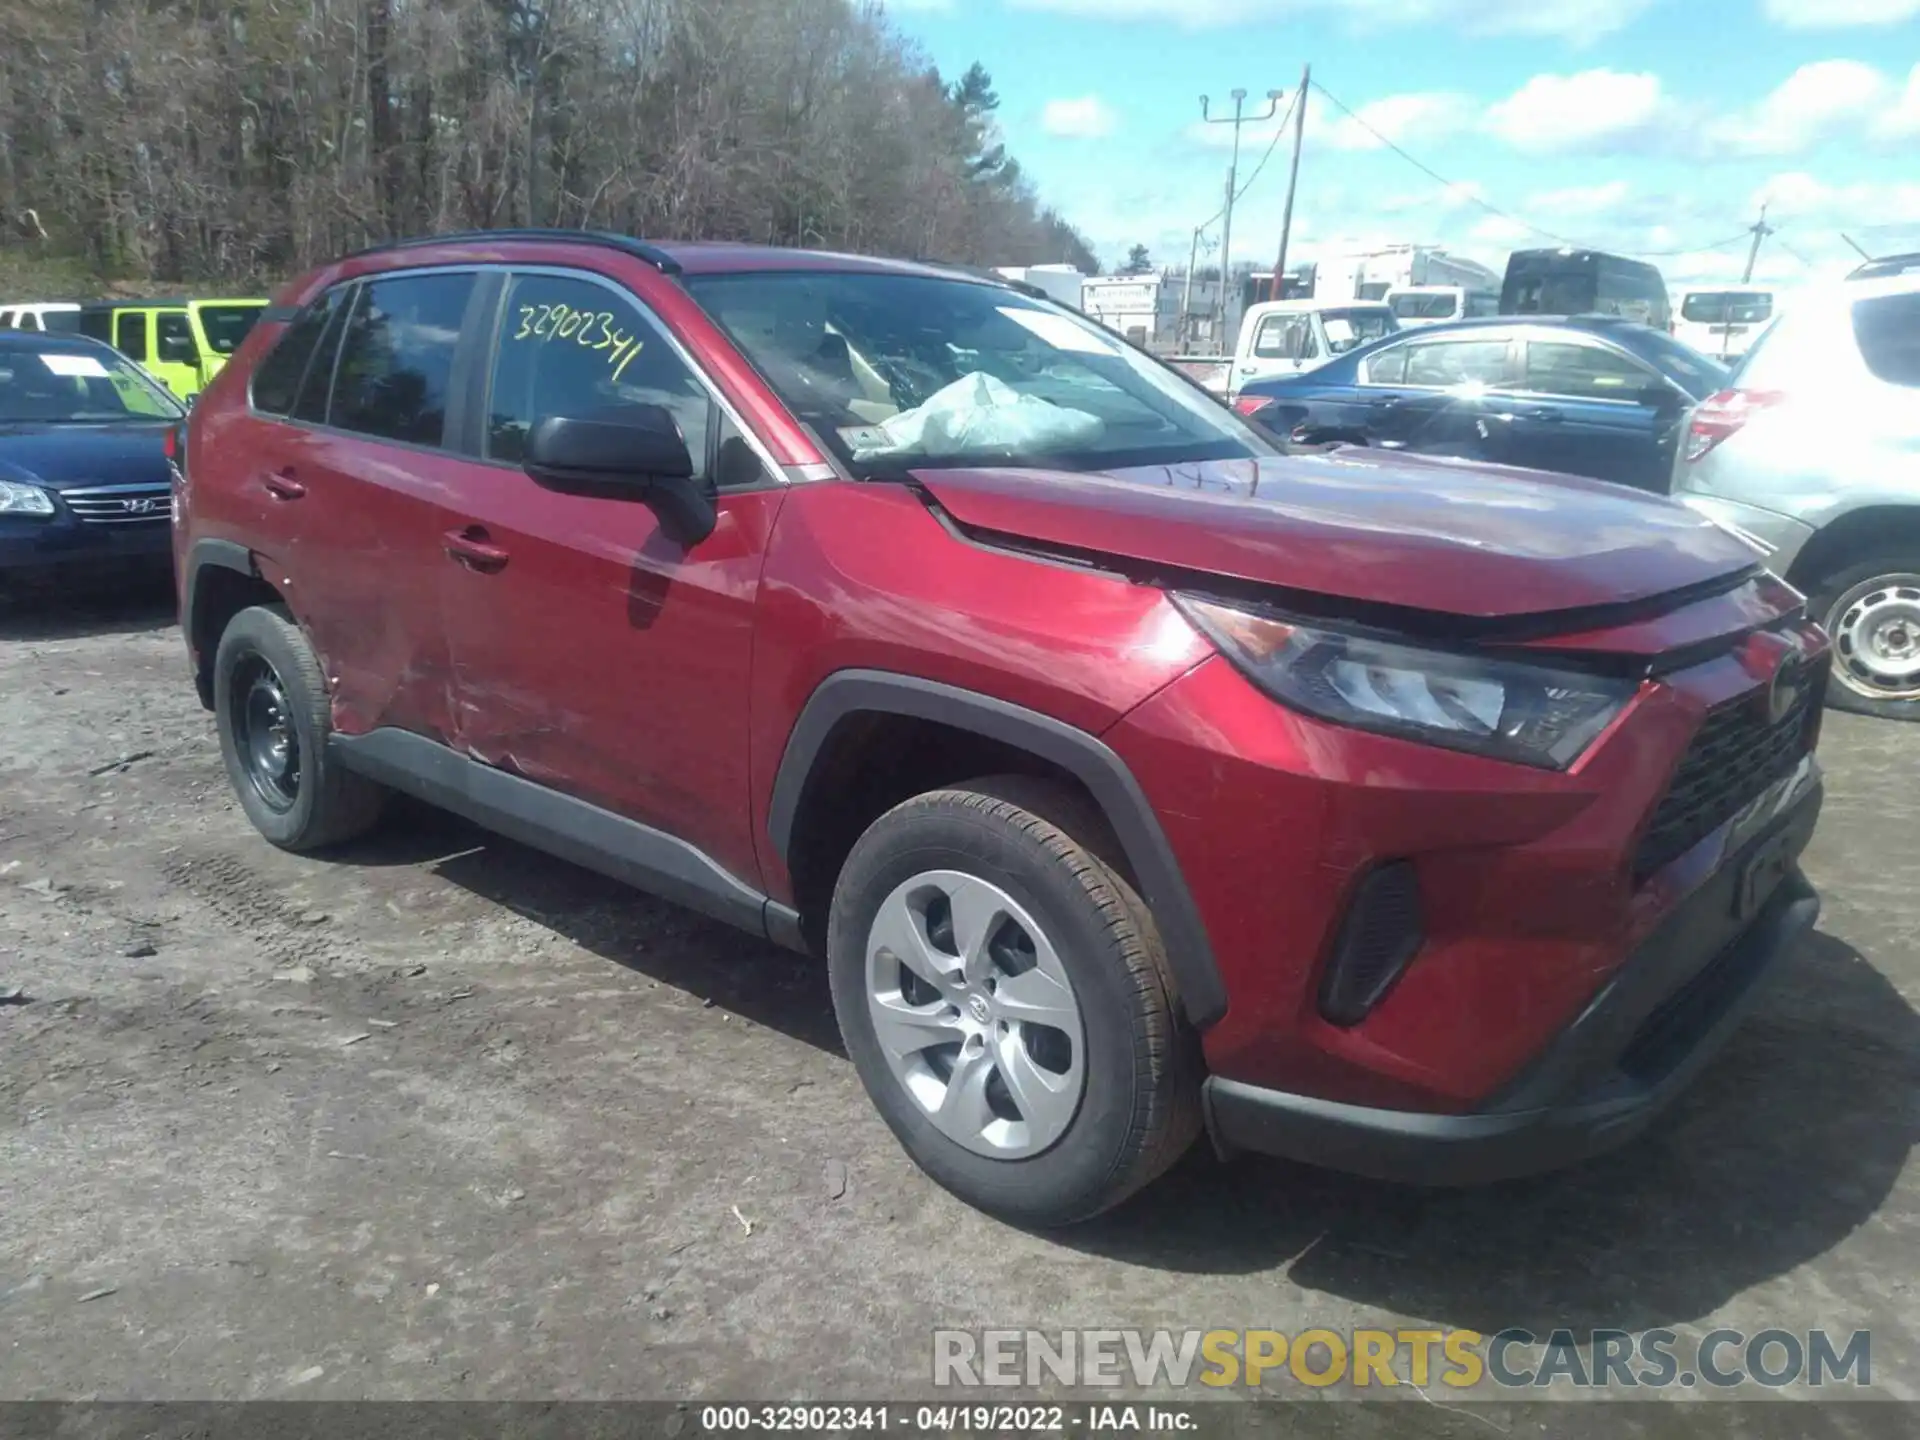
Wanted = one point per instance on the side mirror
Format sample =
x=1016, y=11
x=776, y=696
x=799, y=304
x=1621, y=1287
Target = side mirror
x=1658, y=395
x=178, y=352
x=624, y=452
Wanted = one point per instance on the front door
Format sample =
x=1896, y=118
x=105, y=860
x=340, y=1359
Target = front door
x=1582, y=410
x=176, y=354
x=594, y=653
x=1283, y=343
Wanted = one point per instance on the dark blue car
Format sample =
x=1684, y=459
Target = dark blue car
x=85, y=479
x=1588, y=395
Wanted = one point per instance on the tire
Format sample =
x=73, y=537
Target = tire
x=1132, y=1069
x=323, y=804
x=1871, y=609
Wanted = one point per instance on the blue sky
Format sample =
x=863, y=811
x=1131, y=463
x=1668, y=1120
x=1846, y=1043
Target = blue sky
x=1638, y=125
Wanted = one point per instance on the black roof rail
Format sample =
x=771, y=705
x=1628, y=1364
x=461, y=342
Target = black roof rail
x=607, y=239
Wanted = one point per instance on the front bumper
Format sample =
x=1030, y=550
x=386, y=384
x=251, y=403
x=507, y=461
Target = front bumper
x=1665, y=1013
x=62, y=545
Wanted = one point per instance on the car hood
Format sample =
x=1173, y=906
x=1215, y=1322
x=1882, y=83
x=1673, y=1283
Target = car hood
x=60, y=456
x=1408, y=531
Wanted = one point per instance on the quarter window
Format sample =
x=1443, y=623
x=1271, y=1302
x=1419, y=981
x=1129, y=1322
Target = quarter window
x=396, y=358
x=569, y=346
x=1446, y=363
x=1583, y=372
x=277, y=381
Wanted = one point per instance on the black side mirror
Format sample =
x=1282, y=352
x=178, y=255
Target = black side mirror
x=624, y=452
x=1658, y=395
x=175, y=351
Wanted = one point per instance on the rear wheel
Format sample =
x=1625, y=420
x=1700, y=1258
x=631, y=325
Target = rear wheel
x=1005, y=997
x=1872, y=612
x=270, y=704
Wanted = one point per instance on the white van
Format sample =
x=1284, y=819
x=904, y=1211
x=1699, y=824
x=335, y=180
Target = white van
x=40, y=315
x=1284, y=337
x=1416, y=305
x=1723, y=320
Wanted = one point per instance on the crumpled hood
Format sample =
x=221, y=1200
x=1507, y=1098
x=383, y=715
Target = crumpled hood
x=58, y=456
x=1411, y=531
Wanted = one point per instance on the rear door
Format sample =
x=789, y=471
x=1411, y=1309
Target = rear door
x=130, y=336
x=1579, y=409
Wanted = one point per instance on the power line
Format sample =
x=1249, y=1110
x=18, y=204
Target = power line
x=1492, y=209
x=1240, y=194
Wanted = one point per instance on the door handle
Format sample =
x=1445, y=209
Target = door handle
x=471, y=547
x=1543, y=413
x=283, y=485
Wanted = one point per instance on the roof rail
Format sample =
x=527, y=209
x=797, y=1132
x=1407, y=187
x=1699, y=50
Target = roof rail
x=607, y=239
x=1884, y=265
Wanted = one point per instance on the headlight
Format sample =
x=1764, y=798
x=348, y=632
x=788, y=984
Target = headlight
x=1506, y=709
x=17, y=499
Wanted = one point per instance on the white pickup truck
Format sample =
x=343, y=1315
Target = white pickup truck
x=1284, y=337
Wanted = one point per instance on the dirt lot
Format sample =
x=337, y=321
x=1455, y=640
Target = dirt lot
x=444, y=1118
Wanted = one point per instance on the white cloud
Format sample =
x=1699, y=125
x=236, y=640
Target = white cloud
x=1576, y=20
x=1810, y=105
x=1594, y=109
x=1086, y=118
x=1578, y=200
x=1416, y=119
x=1832, y=14
x=1901, y=120
x=910, y=6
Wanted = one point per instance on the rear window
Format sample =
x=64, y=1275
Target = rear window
x=1726, y=307
x=1887, y=328
x=1422, y=307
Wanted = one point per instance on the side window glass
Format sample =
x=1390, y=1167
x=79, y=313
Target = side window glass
x=276, y=382
x=1389, y=367
x=130, y=336
x=1887, y=329
x=1583, y=372
x=1448, y=363
x=173, y=341
x=568, y=347
x=396, y=358
x=1269, y=342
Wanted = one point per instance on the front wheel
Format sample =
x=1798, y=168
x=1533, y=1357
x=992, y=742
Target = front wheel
x=1004, y=995
x=1872, y=612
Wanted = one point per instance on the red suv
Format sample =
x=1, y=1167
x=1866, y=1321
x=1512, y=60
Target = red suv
x=1414, y=817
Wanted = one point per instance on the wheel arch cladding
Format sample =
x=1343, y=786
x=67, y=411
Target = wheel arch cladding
x=850, y=693
x=221, y=581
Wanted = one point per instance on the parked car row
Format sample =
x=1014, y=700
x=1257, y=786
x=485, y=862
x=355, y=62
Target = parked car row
x=181, y=343
x=1422, y=818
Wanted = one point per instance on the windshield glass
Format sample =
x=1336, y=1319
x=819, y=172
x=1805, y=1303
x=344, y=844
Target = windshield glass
x=1685, y=366
x=897, y=371
x=1350, y=329
x=1423, y=307
x=71, y=387
x=227, y=325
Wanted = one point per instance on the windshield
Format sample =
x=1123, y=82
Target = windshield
x=1723, y=307
x=1680, y=363
x=1424, y=307
x=227, y=325
x=1350, y=329
x=893, y=371
x=71, y=387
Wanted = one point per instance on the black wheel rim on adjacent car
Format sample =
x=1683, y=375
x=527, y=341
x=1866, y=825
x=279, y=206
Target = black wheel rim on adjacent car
x=264, y=734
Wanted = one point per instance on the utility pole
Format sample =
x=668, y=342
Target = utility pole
x=1293, y=177
x=1186, y=300
x=1760, y=232
x=1240, y=118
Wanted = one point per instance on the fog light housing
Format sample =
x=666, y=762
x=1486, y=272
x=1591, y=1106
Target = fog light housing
x=1379, y=936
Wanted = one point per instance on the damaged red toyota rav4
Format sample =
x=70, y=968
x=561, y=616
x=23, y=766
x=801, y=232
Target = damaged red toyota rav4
x=1407, y=816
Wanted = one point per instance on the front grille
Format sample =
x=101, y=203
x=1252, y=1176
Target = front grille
x=121, y=504
x=1736, y=755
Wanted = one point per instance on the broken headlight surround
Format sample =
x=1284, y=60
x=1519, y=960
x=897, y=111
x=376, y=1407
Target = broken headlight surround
x=1485, y=705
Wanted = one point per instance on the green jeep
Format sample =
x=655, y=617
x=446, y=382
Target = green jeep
x=181, y=343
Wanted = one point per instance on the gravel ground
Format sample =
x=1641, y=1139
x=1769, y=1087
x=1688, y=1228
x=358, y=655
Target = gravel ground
x=443, y=1118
